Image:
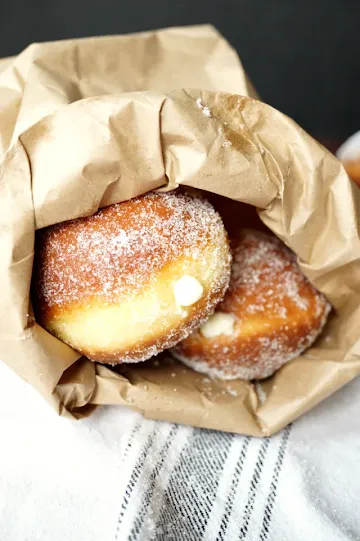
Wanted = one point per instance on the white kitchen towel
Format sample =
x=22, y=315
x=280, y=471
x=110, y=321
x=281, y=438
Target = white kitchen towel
x=118, y=477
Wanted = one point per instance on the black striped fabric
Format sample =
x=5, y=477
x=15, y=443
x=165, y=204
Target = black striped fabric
x=274, y=484
x=253, y=489
x=234, y=485
x=134, y=476
x=191, y=488
x=191, y=492
x=135, y=532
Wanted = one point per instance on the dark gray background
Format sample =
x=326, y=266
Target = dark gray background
x=303, y=56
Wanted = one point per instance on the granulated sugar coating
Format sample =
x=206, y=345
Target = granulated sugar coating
x=105, y=284
x=278, y=313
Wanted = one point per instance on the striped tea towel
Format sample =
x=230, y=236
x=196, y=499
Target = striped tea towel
x=118, y=477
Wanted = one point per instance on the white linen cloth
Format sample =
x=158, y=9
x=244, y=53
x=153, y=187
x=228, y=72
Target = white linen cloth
x=118, y=477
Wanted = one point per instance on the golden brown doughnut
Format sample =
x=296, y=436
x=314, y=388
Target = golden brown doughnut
x=349, y=154
x=133, y=279
x=270, y=314
x=353, y=170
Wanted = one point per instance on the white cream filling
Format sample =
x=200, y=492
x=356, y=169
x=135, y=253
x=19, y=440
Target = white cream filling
x=187, y=291
x=217, y=324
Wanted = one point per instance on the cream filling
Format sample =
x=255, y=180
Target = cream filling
x=219, y=323
x=187, y=291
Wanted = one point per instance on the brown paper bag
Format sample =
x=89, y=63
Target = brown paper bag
x=87, y=123
x=4, y=63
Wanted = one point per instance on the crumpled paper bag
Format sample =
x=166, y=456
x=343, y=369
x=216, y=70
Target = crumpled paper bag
x=87, y=123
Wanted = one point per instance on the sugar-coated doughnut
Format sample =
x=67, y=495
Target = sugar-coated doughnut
x=349, y=154
x=270, y=314
x=353, y=170
x=133, y=279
